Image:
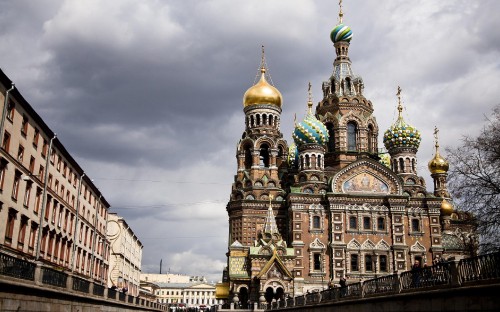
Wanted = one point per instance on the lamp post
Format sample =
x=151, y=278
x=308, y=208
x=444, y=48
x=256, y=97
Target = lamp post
x=44, y=197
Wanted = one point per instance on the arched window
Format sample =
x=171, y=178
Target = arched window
x=264, y=119
x=258, y=120
x=370, y=139
x=351, y=136
x=401, y=165
x=252, y=121
x=248, y=157
x=331, y=138
x=264, y=155
x=308, y=161
x=319, y=164
x=413, y=165
x=316, y=222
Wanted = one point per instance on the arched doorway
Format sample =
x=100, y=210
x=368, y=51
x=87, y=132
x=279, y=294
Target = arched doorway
x=243, y=295
x=269, y=294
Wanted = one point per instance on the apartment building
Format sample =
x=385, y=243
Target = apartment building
x=50, y=211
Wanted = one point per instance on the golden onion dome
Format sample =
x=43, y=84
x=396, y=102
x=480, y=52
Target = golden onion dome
x=446, y=208
x=438, y=164
x=262, y=93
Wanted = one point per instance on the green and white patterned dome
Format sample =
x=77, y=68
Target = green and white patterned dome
x=310, y=130
x=401, y=134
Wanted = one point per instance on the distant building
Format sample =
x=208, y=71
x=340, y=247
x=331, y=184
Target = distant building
x=186, y=294
x=125, y=255
x=172, y=278
x=50, y=211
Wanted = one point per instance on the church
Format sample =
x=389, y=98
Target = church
x=333, y=203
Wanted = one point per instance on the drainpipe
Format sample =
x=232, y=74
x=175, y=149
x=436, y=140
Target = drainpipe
x=94, y=238
x=4, y=112
x=44, y=197
x=76, y=236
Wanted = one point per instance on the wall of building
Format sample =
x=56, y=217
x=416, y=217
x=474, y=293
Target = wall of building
x=49, y=210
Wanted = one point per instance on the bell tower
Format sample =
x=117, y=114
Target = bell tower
x=344, y=110
x=261, y=157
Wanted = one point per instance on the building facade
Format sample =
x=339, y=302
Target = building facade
x=50, y=211
x=125, y=255
x=332, y=204
x=186, y=294
x=172, y=278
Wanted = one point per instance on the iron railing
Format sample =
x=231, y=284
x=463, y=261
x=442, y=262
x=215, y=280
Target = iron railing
x=479, y=268
x=17, y=268
x=98, y=290
x=444, y=274
x=81, y=285
x=54, y=277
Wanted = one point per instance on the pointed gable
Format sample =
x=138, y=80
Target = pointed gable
x=275, y=268
x=366, y=176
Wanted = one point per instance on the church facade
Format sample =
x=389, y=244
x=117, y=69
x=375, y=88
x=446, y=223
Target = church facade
x=330, y=204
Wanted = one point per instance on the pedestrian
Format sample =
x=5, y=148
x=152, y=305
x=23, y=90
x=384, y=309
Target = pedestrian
x=415, y=274
x=343, y=286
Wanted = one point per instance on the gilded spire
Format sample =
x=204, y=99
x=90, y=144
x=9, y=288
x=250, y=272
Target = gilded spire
x=436, y=130
x=400, y=105
x=309, y=101
x=438, y=164
x=341, y=14
x=263, y=61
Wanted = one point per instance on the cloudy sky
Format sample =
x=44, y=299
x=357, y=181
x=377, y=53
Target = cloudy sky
x=147, y=95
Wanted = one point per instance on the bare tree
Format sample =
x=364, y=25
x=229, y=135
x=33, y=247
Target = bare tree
x=474, y=180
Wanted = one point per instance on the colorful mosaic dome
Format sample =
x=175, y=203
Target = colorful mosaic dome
x=402, y=135
x=341, y=32
x=293, y=154
x=310, y=130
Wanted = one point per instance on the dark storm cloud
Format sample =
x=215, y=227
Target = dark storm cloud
x=147, y=95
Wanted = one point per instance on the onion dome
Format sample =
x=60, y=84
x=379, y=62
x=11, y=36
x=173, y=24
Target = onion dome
x=438, y=164
x=341, y=32
x=262, y=92
x=401, y=134
x=310, y=130
x=446, y=208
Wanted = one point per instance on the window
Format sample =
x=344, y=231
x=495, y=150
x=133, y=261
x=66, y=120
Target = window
x=317, y=262
x=10, y=110
x=353, y=223
x=2, y=175
x=15, y=185
x=264, y=156
x=24, y=127
x=368, y=263
x=27, y=194
x=44, y=148
x=316, y=222
x=52, y=156
x=32, y=164
x=415, y=225
x=47, y=207
x=9, y=228
x=20, y=153
x=354, y=263
x=383, y=263
x=36, y=135
x=381, y=223
x=6, y=141
x=22, y=232
x=38, y=200
x=367, y=223
x=31, y=243
x=351, y=136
